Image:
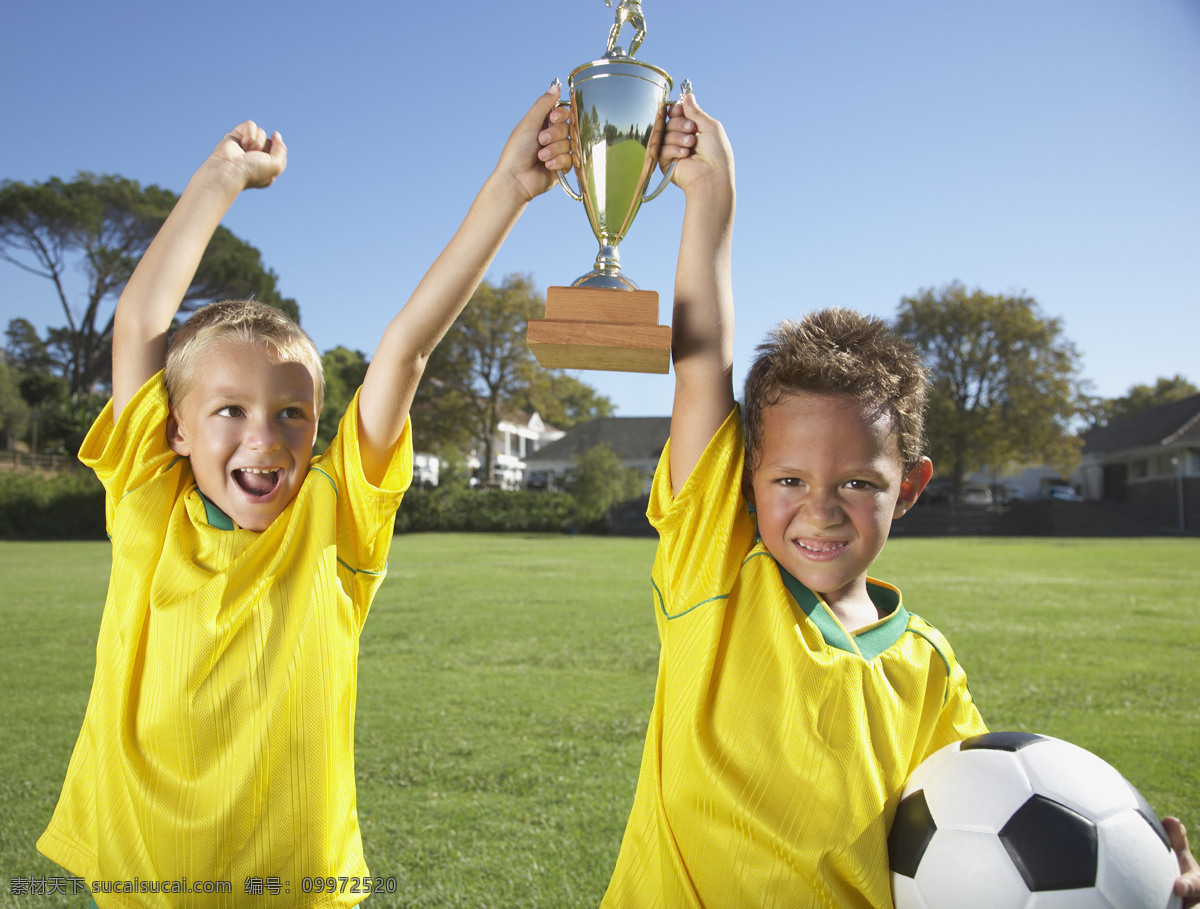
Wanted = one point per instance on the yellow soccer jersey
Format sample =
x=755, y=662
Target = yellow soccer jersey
x=217, y=748
x=778, y=743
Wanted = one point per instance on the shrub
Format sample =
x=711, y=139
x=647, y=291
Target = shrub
x=600, y=482
x=61, y=506
x=463, y=509
x=70, y=506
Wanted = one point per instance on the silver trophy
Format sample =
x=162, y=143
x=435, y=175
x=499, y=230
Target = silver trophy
x=619, y=108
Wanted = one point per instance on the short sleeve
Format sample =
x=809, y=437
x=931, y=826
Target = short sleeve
x=706, y=530
x=959, y=717
x=127, y=454
x=366, y=514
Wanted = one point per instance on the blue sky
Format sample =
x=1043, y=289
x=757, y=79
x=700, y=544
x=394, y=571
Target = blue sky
x=1040, y=147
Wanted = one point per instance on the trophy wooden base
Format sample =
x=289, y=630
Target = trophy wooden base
x=598, y=328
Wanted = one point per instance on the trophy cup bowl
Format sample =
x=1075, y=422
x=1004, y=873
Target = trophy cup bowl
x=603, y=320
x=619, y=110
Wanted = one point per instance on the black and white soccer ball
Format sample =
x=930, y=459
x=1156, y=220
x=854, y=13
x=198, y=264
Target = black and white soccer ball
x=1013, y=820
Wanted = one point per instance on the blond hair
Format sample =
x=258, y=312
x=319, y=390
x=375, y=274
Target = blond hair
x=839, y=351
x=245, y=322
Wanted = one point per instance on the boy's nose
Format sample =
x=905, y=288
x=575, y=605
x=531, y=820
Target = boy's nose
x=262, y=435
x=823, y=509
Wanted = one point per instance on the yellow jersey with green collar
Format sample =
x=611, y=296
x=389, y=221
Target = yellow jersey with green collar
x=217, y=748
x=778, y=743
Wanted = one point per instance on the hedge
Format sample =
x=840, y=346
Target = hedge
x=487, y=510
x=70, y=506
x=60, y=506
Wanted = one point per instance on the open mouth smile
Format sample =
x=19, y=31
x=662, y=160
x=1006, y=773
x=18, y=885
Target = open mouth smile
x=257, y=482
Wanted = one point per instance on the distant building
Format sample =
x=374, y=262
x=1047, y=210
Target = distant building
x=518, y=436
x=426, y=470
x=1150, y=459
x=637, y=441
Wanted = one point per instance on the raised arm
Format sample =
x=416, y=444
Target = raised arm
x=526, y=169
x=246, y=157
x=702, y=320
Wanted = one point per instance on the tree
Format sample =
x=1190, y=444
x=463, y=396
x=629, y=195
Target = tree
x=58, y=418
x=14, y=412
x=64, y=421
x=26, y=351
x=483, y=369
x=600, y=481
x=562, y=400
x=344, y=370
x=1142, y=397
x=102, y=225
x=1004, y=380
x=484, y=362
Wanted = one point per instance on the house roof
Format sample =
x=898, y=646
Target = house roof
x=632, y=438
x=1174, y=423
x=533, y=420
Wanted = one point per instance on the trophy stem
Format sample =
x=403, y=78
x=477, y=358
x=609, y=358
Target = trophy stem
x=606, y=273
x=608, y=260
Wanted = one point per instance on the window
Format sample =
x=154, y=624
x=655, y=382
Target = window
x=1164, y=465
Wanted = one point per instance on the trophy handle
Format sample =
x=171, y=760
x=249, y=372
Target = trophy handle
x=562, y=179
x=684, y=89
x=662, y=184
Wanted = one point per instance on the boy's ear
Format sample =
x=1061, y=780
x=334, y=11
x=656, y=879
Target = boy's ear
x=748, y=485
x=176, y=438
x=913, y=485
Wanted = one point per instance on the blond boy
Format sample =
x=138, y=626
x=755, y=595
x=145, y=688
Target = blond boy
x=215, y=766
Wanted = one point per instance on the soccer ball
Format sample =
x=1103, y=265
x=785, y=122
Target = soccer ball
x=1012, y=820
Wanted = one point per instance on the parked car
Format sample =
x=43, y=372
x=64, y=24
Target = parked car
x=937, y=493
x=1005, y=495
x=541, y=479
x=976, y=494
x=1059, y=493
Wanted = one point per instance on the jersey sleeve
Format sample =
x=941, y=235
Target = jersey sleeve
x=126, y=454
x=706, y=530
x=959, y=717
x=366, y=513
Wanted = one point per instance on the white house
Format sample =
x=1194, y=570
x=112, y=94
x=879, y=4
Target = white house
x=518, y=436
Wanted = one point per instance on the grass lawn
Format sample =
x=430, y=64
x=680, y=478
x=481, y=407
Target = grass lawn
x=505, y=682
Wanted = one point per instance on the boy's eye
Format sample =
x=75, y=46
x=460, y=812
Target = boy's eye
x=231, y=410
x=790, y=482
x=294, y=413
x=858, y=484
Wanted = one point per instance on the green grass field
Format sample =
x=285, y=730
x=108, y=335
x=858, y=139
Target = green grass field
x=505, y=682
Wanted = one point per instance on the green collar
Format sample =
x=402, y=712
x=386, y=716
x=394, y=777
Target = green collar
x=217, y=519
x=870, y=641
